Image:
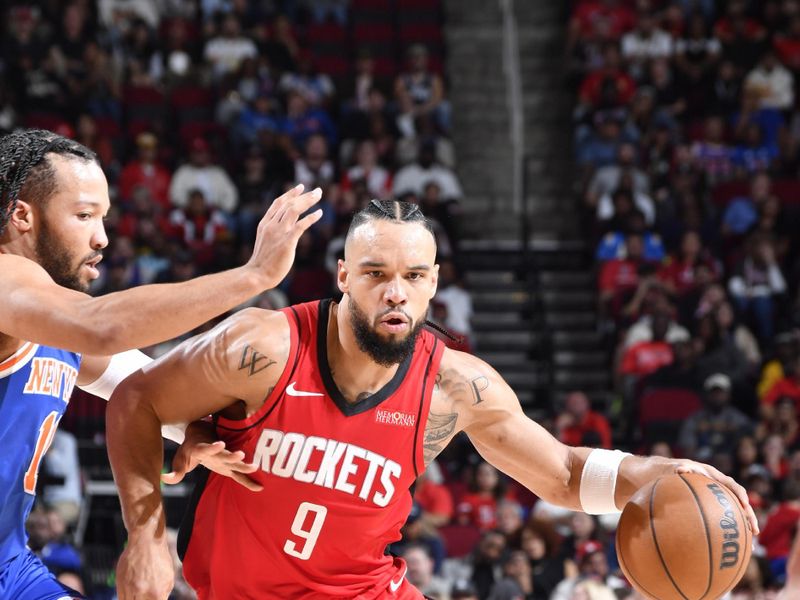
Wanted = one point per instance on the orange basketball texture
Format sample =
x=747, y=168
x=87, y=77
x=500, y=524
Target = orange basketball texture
x=683, y=537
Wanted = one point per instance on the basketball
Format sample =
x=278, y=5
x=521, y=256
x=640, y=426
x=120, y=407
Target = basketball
x=683, y=537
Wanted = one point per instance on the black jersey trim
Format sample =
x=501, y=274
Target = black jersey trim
x=421, y=404
x=187, y=522
x=350, y=409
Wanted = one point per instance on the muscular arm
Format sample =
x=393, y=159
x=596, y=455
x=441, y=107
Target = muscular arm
x=36, y=309
x=233, y=365
x=471, y=396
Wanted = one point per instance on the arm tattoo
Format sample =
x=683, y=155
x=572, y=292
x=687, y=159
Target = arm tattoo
x=479, y=384
x=253, y=360
x=437, y=433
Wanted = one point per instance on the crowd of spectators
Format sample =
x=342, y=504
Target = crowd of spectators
x=686, y=137
x=203, y=111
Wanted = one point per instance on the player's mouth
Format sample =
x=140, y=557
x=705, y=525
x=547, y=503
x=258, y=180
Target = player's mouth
x=91, y=265
x=394, y=322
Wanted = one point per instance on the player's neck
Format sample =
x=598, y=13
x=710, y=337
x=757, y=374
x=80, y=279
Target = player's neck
x=9, y=345
x=355, y=373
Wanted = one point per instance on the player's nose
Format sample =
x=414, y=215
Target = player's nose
x=99, y=238
x=395, y=292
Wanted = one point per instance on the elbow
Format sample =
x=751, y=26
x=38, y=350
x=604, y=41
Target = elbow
x=105, y=337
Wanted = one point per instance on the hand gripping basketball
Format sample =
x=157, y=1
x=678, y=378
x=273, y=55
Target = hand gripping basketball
x=279, y=231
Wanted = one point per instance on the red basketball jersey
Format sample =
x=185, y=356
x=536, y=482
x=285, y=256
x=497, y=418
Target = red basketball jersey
x=336, y=480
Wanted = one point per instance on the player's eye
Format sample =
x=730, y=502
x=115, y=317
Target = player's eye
x=84, y=216
x=414, y=276
x=375, y=274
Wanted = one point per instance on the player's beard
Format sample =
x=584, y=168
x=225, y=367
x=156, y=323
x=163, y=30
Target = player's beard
x=55, y=258
x=385, y=352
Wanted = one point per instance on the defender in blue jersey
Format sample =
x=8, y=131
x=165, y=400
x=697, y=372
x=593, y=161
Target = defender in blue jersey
x=53, y=336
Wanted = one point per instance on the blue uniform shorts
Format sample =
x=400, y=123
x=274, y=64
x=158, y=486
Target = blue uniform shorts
x=25, y=577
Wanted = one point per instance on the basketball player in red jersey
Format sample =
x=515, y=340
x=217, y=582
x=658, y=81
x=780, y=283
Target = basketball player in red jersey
x=340, y=407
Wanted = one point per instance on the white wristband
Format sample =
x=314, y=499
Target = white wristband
x=599, y=481
x=119, y=367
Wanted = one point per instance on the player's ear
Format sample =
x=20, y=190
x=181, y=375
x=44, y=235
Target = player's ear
x=434, y=280
x=341, y=277
x=22, y=218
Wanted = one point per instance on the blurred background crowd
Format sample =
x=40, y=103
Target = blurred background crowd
x=687, y=155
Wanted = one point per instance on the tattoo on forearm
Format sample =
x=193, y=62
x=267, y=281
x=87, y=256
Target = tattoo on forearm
x=479, y=384
x=253, y=360
x=437, y=432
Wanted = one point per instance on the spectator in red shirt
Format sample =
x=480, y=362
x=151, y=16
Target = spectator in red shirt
x=145, y=171
x=786, y=387
x=619, y=277
x=434, y=499
x=781, y=526
x=478, y=507
x=598, y=20
x=647, y=356
x=679, y=273
x=787, y=45
x=610, y=86
x=578, y=425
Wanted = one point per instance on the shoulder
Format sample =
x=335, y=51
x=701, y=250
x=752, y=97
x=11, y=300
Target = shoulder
x=17, y=266
x=464, y=382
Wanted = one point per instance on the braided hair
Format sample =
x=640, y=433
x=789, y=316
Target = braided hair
x=25, y=170
x=390, y=210
x=398, y=212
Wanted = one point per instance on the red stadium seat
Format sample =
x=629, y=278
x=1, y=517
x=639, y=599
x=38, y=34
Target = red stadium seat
x=459, y=540
x=662, y=411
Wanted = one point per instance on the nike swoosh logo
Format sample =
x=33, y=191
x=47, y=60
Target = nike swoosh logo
x=395, y=585
x=294, y=392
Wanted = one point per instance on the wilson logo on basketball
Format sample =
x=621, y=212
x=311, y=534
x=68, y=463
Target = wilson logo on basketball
x=730, y=528
x=395, y=417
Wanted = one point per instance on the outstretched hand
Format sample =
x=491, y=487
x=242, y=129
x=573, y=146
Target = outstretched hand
x=279, y=231
x=198, y=449
x=690, y=466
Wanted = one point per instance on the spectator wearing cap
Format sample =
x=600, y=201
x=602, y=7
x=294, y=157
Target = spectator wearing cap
x=420, y=92
x=413, y=177
x=420, y=572
x=201, y=174
x=146, y=171
x=226, y=51
x=717, y=426
x=579, y=425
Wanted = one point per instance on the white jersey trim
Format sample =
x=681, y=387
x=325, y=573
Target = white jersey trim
x=19, y=359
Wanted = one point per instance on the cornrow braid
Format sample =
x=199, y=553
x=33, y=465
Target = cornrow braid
x=390, y=210
x=25, y=170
